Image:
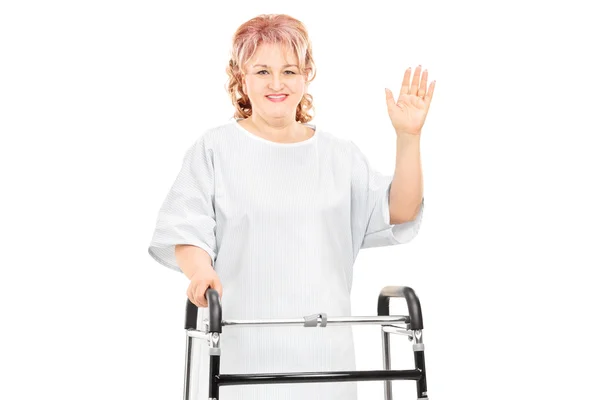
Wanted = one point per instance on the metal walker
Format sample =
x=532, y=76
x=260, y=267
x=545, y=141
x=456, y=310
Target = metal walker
x=411, y=325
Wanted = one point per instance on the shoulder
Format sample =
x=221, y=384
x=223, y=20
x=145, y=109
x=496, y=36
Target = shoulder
x=341, y=144
x=345, y=149
x=211, y=136
x=333, y=140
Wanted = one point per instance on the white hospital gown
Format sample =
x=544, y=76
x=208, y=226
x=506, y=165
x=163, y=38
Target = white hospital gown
x=283, y=224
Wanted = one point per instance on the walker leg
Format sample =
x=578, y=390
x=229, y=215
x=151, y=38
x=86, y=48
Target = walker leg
x=188, y=368
x=215, y=366
x=419, y=350
x=387, y=365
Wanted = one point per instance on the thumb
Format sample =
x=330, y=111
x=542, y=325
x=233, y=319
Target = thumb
x=389, y=98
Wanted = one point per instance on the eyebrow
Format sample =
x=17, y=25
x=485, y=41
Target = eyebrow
x=266, y=66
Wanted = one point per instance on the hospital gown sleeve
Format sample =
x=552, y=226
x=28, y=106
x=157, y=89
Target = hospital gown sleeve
x=187, y=214
x=370, y=192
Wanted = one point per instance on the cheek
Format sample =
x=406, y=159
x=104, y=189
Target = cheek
x=299, y=87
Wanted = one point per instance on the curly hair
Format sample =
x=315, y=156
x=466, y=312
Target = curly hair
x=269, y=29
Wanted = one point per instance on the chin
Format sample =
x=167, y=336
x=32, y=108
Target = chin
x=280, y=113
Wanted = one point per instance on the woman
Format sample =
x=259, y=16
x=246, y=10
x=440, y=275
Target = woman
x=271, y=211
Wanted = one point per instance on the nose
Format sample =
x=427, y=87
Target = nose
x=275, y=83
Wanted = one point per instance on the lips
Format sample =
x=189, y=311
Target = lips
x=277, y=99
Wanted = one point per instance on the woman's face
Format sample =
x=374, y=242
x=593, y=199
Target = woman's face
x=269, y=73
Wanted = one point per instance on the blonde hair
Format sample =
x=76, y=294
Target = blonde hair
x=269, y=29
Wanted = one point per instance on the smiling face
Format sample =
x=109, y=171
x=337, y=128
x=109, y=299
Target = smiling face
x=273, y=71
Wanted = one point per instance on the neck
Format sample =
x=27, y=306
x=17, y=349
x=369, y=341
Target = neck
x=277, y=128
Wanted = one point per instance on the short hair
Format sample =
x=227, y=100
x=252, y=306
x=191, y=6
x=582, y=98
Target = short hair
x=269, y=29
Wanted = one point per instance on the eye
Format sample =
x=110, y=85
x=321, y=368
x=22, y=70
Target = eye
x=264, y=70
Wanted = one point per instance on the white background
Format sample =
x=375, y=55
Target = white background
x=100, y=100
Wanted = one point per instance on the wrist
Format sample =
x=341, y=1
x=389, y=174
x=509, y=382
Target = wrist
x=405, y=140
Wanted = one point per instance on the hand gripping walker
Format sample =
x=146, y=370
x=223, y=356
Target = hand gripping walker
x=412, y=327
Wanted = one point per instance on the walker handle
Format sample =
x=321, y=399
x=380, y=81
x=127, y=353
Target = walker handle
x=214, y=314
x=414, y=306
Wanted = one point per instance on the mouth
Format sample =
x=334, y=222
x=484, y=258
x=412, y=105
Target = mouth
x=277, y=98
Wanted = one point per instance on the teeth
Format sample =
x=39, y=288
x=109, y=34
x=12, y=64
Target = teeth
x=276, y=97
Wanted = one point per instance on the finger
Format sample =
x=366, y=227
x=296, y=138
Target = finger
x=199, y=294
x=414, y=87
x=203, y=303
x=190, y=296
x=429, y=95
x=405, y=82
x=423, y=85
x=218, y=287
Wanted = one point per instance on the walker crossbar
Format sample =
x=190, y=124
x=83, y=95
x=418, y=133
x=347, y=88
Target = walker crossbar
x=315, y=377
x=368, y=320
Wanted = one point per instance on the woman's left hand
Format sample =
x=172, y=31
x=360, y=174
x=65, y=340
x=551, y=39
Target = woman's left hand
x=409, y=112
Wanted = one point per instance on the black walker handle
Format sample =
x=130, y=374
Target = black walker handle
x=383, y=308
x=215, y=320
x=414, y=306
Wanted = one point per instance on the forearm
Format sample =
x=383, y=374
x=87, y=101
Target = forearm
x=406, y=193
x=191, y=258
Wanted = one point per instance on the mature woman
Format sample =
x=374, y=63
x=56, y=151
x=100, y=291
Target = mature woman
x=272, y=211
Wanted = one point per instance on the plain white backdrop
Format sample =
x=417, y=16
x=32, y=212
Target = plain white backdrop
x=100, y=100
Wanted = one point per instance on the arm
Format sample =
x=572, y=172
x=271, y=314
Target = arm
x=406, y=192
x=191, y=258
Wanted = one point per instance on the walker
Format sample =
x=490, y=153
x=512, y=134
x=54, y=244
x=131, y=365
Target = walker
x=410, y=325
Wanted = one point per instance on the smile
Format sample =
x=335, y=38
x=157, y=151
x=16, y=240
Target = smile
x=277, y=99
